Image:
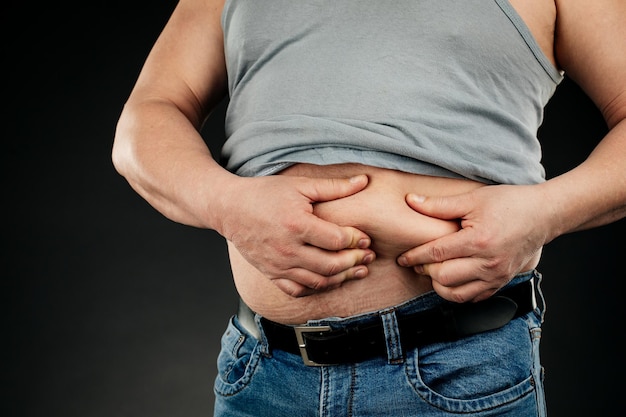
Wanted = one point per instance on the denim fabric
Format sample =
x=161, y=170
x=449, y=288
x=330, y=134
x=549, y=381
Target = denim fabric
x=496, y=373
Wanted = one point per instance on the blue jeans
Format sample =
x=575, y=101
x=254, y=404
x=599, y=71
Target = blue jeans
x=496, y=373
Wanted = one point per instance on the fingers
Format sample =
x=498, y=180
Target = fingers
x=326, y=189
x=321, y=270
x=323, y=234
x=471, y=291
x=456, y=279
x=326, y=256
x=302, y=282
x=335, y=264
x=460, y=244
x=474, y=262
x=327, y=235
x=446, y=208
x=309, y=254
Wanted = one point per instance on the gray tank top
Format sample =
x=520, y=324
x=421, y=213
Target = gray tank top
x=452, y=88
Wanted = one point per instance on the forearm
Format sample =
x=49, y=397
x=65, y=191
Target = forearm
x=594, y=193
x=165, y=160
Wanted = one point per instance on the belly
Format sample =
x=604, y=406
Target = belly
x=380, y=211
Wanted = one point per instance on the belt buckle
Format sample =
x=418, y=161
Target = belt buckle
x=300, y=331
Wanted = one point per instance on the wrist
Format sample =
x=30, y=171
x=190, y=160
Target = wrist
x=217, y=200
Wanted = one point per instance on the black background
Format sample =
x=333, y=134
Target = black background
x=109, y=309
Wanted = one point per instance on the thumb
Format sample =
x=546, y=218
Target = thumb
x=326, y=189
x=446, y=208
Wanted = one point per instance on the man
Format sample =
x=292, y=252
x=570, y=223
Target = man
x=381, y=159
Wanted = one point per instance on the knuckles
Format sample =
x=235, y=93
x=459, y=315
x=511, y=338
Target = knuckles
x=298, y=292
x=331, y=269
x=437, y=253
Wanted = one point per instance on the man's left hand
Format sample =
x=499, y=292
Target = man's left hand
x=503, y=228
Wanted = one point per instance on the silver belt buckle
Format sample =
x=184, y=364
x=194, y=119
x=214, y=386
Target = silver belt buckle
x=533, y=293
x=300, y=330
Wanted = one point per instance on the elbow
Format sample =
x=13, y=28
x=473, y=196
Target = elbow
x=117, y=158
x=121, y=154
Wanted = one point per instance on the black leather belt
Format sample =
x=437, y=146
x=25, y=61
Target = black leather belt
x=323, y=345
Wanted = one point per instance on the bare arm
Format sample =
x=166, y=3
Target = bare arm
x=505, y=226
x=591, y=47
x=157, y=146
x=160, y=152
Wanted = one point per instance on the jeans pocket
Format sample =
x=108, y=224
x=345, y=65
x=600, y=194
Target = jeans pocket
x=237, y=360
x=478, y=373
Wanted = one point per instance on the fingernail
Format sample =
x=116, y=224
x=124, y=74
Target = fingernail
x=368, y=259
x=360, y=273
x=417, y=198
x=402, y=261
x=363, y=243
x=357, y=178
x=419, y=269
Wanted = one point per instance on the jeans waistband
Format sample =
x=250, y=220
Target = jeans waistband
x=423, y=319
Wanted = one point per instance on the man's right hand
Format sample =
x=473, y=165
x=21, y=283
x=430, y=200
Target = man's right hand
x=270, y=221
